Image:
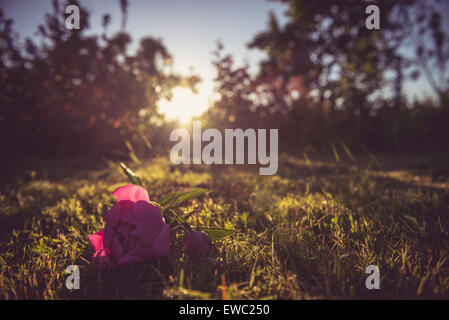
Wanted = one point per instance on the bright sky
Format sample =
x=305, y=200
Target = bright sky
x=189, y=30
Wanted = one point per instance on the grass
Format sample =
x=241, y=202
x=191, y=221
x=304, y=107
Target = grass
x=308, y=232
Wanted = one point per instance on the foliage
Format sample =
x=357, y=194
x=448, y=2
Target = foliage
x=78, y=93
x=327, y=79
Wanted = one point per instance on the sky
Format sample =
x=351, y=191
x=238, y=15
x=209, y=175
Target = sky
x=189, y=30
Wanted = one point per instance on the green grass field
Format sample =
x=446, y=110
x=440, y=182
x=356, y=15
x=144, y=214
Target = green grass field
x=308, y=232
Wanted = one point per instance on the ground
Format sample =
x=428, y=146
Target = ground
x=308, y=232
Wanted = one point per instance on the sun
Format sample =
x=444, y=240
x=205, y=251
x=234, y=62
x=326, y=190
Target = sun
x=183, y=106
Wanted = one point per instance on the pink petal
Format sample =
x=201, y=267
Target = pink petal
x=161, y=244
x=107, y=236
x=131, y=257
x=149, y=228
x=116, y=249
x=132, y=193
x=127, y=211
x=102, y=258
x=126, y=228
x=96, y=240
x=143, y=210
x=113, y=215
x=99, y=254
x=144, y=250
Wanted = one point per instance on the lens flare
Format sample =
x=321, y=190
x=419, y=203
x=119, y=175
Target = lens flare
x=184, y=105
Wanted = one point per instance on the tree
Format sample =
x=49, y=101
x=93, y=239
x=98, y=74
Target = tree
x=324, y=69
x=79, y=94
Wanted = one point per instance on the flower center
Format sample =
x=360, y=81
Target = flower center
x=127, y=236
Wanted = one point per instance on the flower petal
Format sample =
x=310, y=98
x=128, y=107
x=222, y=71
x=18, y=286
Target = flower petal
x=131, y=257
x=127, y=211
x=143, y=210
x=132, y=193
x=116, y=249
x=149, y=228
x=107, y=236
x=161, y=244
x=96, y=240
x=127, y=260
x=113, y=215
x=101, y=258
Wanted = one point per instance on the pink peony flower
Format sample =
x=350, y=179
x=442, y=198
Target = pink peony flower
x=197, y=243
x=134, y=230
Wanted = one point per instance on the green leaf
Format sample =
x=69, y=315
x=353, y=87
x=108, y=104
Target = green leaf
x=175, y=199
x=191, y=194
x=217, y=233
x=167, y=199
x=131, y=175
x=177, y=217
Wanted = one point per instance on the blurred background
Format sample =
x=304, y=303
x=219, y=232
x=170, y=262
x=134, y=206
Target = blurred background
x=115, y=88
